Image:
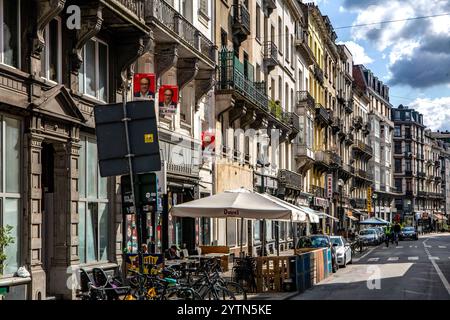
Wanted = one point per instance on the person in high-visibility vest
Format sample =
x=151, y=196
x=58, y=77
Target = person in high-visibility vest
x=387, y=232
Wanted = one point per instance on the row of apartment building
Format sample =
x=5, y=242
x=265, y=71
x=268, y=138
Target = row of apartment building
x=290, y=114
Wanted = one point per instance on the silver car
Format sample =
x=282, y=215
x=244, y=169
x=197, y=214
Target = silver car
x=369, y=236
x=343, y=250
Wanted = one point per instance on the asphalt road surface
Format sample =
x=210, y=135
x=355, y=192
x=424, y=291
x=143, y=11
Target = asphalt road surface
x=413, y=270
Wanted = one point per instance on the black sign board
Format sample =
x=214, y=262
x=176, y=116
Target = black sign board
x=112, y=143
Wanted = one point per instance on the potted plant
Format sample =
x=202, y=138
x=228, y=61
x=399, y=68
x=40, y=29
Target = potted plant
x=5, y=240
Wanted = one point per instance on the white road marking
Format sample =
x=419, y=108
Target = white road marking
x=373, y=259
x=442, y=247
x=385, y=248
x=399, y=247
x=433, y=258
x=364, y=255
x=438, y=270
x=410, y=246
x=426, y=246
x=392, y=258
x=413, y=258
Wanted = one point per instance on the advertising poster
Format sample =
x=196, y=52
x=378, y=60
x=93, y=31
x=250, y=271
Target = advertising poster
x=144, y=87
x=168, y=99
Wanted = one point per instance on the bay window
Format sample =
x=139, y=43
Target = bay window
x=92, y=206
x=10, y=32
x=10, y=196
x=51, y=55
x=93, y=74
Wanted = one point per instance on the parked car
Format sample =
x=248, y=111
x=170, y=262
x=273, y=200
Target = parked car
x=408, y=233
x=343, y=250
x=369, y=236
x=381, y=233
x=320, y=241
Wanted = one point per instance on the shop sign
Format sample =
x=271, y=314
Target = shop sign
x=329, y=186
x=231, y=212
x=369, y=200
x=320, y=202
x=303, y=202
x=132, y=261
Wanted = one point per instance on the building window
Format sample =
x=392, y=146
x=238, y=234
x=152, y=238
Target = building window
x=10, y=32
x=51, y=55
x=204, y=8
x=408, y=165
x=397, y=131
x=398, y=147
x=408, y=185
x=407, y=132
x=92, y=206
x=286, y=40
x=280, y=35
x=408, y=147
x=398, y=165
x=10, y=196
x=258, y=22
x=93, y=75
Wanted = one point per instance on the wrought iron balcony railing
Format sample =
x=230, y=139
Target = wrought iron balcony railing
x=322, y=114
x=241, y=20
x=134, y=6
x=303, y=97
x=270, y=54
x=290, y=179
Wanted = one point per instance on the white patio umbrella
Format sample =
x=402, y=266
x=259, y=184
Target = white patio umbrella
x=239, y=203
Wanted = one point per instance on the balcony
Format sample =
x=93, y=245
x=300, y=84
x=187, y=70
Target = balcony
x=349, y=138
x=348, y=106
x=336, y=124
x=421, y=175
x=318, y=191
x=134, y=7
x=318, y=73
x=335, y=160
x=304, y=99
x=437, y=163
x=345, y=172
x=289, y=179
x=323, y=157
x=255, y=107
x=366, y=128
x=357, y=122
x=363, y=149
x=360, y=203
x=438, y=179
x=301, y=42
x=422, y=194
x=408, y=154
x=270, y=55
x=270, y=5
x=178, y=29
x=294, y=122
x=241, y=23
x=322, y=115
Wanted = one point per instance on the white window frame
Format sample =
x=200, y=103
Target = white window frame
x=86, y=200
x=46, y=71
x=97, y=71
x=19, y=32
x=11, y=195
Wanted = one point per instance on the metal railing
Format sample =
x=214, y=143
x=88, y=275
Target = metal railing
x=135, y=6
x=270, y=52
x=322, y=113
x=305, y=97
x=290, y=179
x=241, y=17
x=169, y=18
x=185, y=169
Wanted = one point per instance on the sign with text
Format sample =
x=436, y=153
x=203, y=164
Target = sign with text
x=329, y=182
x=369, y=201
x=168, y=99
x=132, y=261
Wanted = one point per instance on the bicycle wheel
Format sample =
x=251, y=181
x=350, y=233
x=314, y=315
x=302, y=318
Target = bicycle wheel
x=238, y=291
x=182, y=294
x=224, y=293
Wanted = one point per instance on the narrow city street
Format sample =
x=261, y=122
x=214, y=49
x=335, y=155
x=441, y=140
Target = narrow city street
x=413, y=270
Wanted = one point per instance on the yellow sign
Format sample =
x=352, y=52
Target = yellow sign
x=369, y=200
x=148, y=138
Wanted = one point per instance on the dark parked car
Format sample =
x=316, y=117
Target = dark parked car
x=319, y=241
x=408, y=233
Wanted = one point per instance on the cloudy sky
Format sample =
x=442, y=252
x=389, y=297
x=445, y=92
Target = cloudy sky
x=412, y=57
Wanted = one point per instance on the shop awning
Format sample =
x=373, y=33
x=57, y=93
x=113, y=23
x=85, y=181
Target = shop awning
x=297, y=214
x=323, y=215
x=313, y=215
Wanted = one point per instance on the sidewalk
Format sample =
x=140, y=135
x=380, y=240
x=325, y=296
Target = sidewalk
x=272, y=295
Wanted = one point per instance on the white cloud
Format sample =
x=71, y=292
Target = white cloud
x=358, y=52
x=408, y=44
x=342, y=9
x=402, y=50
x=436, y=112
